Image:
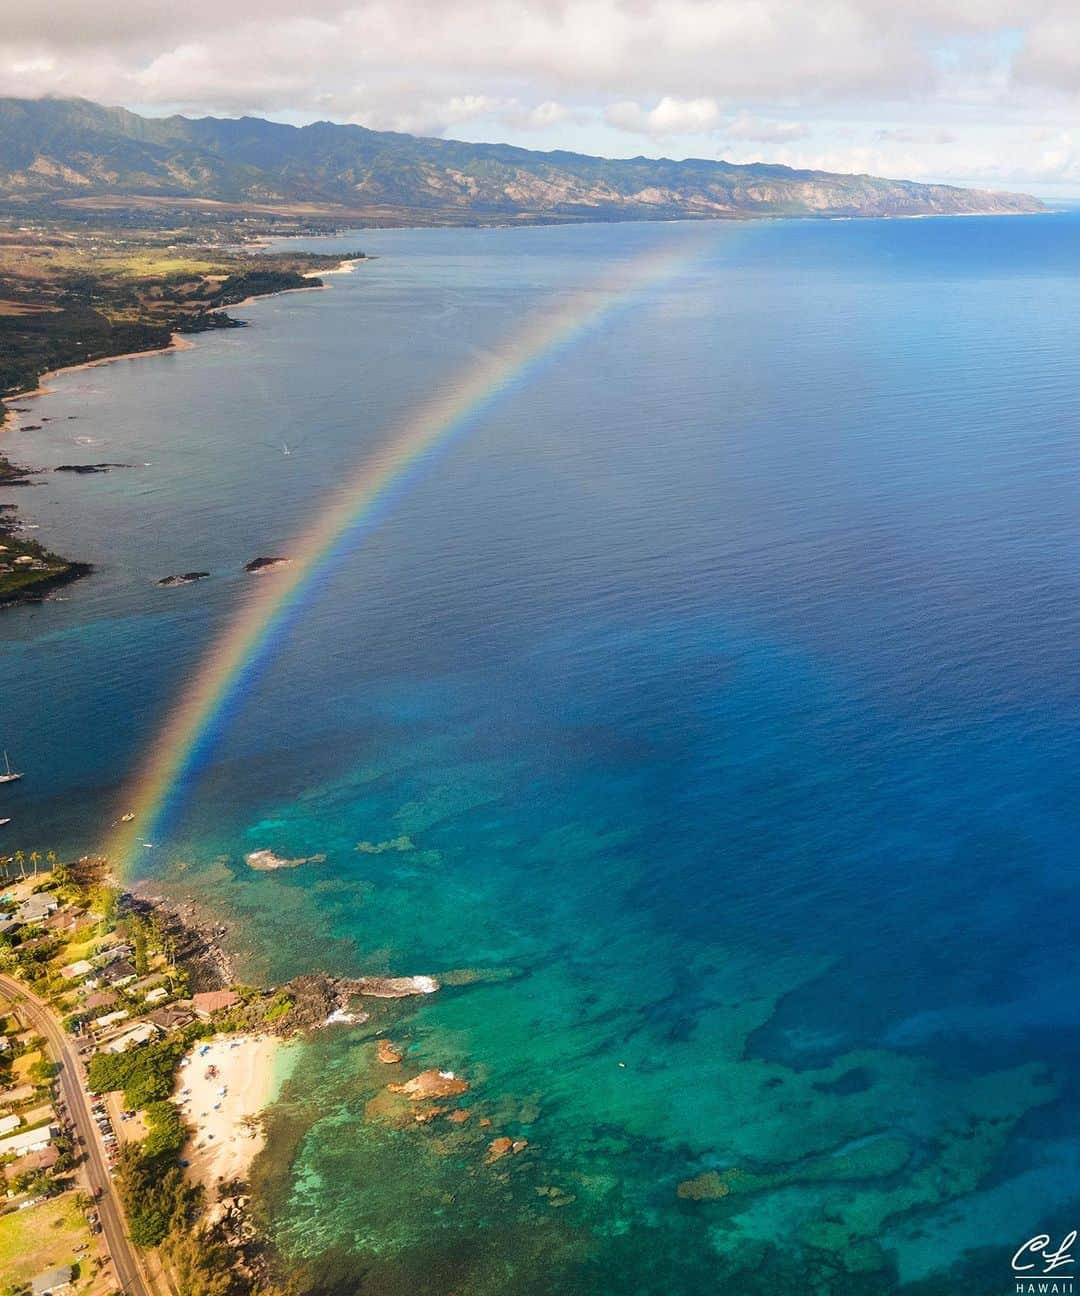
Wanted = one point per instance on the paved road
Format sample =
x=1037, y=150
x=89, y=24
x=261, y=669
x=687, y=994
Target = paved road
x=126, y=1268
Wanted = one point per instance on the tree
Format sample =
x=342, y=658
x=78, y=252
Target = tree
x=106, y=900
x=166, y=1130
x=20, y=859
x=35, y=859
x=34, y=1182
x=42, y=1071
x=60, y=872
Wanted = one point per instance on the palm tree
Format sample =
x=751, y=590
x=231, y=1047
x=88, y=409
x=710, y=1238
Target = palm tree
x=35, y=859
x=20, y=859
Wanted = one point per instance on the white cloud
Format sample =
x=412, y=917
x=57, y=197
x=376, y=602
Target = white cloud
x=762, y=130
x=776, y=77
x=671, y=116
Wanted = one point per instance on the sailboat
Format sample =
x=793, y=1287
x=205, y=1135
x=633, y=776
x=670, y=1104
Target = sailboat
x=9, y=775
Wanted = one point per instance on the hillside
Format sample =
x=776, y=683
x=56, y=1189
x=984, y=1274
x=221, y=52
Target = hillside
x=74, y=152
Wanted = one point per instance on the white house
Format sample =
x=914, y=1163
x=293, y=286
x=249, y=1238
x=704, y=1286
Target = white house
x=110, y=1019
x=36, y=908
x=143, y=1033
x=28, y=1141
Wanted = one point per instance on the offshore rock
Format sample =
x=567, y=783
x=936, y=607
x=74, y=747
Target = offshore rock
x=389, y=1053
x=88, y=468
x=265, y=861
x=430, y=1084
x=258, y=566
x=393, y=987
x=500, y=1147
x=187, y=578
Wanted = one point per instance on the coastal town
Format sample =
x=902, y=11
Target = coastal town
x=134, y=1074
x=92, y=996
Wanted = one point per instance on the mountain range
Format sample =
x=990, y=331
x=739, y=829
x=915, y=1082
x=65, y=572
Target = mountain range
x=72, y=151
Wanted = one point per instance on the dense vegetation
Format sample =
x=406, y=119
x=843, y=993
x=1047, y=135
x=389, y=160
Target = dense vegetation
x=144, y=1073
x=67, y=299
x=71, y=295
x=156, y=1197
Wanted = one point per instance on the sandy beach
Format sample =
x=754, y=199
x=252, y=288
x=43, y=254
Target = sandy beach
x=343, y=267
x=178, y=343
x=222, y=1087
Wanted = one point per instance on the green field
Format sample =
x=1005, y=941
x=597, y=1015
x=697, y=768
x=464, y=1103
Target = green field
x=41, y=1238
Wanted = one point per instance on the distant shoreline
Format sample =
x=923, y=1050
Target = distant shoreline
x=72, y=569
x=178, y=342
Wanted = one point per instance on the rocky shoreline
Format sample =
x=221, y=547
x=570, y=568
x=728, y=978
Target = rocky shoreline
x=243, y=1046
x=44, y=571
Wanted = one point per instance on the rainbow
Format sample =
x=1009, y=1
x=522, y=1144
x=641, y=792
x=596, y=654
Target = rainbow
x=203, y=710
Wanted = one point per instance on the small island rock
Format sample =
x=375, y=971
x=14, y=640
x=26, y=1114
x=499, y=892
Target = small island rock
x=430, y=1084
x=394, y=987
x=259, y=565
x=265, y=861
x=186, y=578
x=389, y=1054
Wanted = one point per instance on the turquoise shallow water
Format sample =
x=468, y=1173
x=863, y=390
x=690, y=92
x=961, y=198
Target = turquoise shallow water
x=721, y=681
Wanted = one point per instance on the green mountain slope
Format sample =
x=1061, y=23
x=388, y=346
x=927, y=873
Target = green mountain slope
x=60, y=149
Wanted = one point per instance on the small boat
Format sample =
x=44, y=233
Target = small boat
x=9, y=775
x=127, y=818
x=4, y=821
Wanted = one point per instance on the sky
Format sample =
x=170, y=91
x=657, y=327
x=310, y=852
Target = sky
x=970, y=91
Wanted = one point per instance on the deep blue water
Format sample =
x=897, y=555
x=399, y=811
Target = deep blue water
x=723, y=680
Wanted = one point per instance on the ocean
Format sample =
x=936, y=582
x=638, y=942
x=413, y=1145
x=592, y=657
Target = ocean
x=707, y=709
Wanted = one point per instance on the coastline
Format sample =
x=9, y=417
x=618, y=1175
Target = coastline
x=63, y=570
x=343, y=267
x=178, y=342
x=223, y=1087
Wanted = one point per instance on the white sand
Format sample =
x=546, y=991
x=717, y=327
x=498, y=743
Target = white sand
x=226, y=1132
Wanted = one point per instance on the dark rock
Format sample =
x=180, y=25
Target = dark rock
x=90, y=468
x=265, y=564
x=186, y=578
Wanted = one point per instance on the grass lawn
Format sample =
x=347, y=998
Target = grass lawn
x=76, y=950
x=41, y=1238
x=21, y=1067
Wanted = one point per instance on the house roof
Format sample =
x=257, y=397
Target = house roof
x=36, y=907
x=43, y=1160
x=27, y=1141
x=211, y=1001
x=169, y=1018
x=139, y=1034
x=51, y=1280
x=102, y=999
x=111, y=1019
